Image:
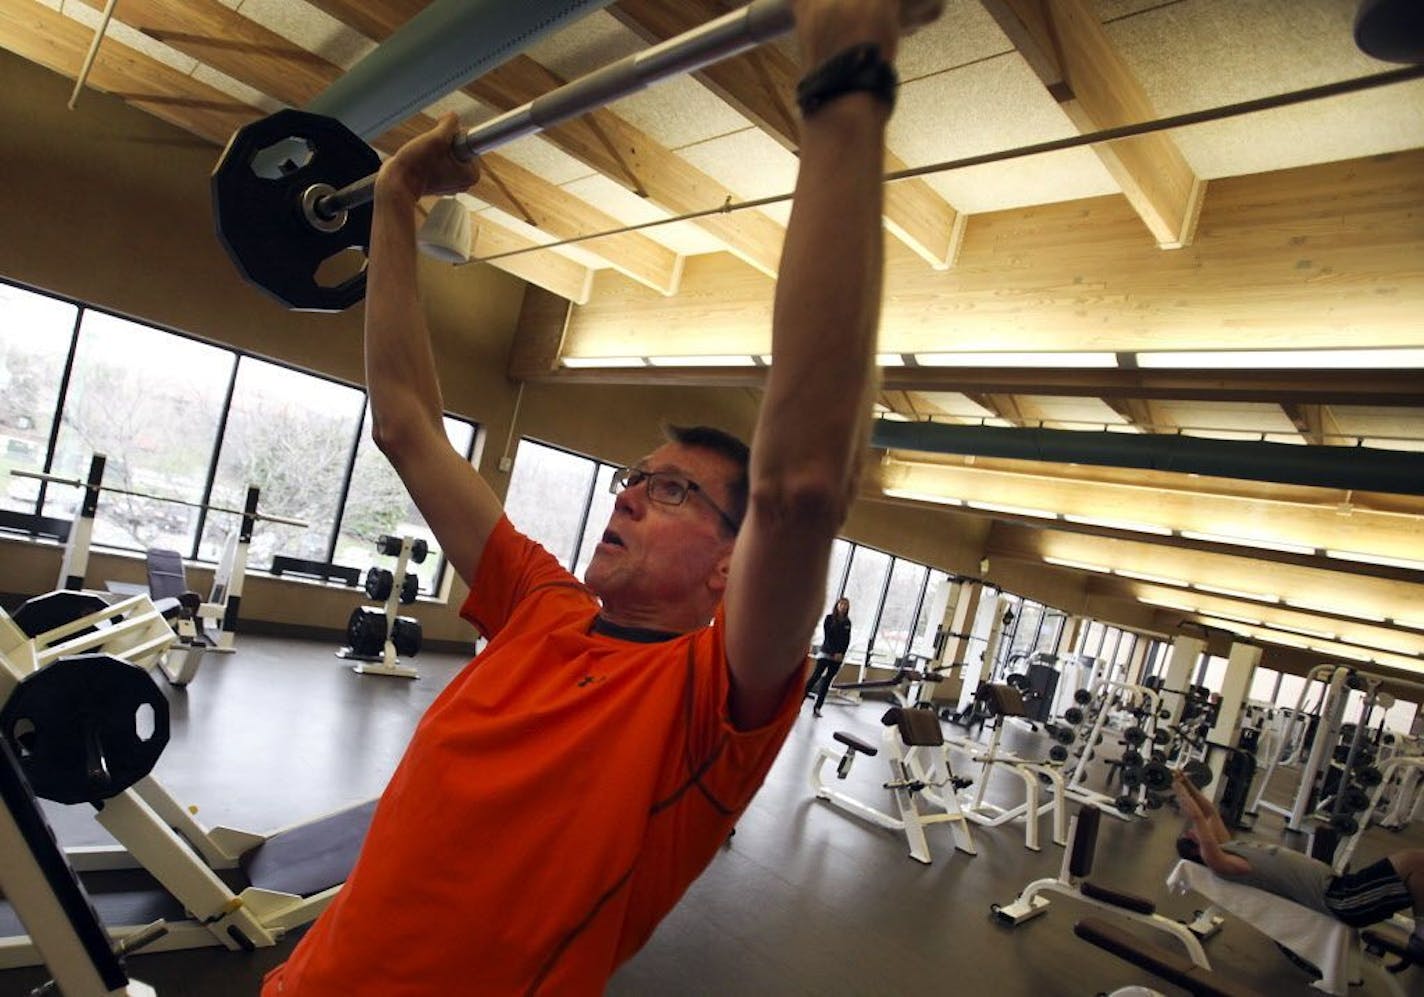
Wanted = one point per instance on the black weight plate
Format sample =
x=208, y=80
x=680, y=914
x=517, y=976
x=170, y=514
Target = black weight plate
x=406, y=636
x=378, y=583
x=1198, y=772
x=86, y=727
x=54, y=609
x=259, y=219
x=410, y=588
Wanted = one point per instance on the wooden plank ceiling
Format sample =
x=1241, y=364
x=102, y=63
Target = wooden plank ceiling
x=1295, y=229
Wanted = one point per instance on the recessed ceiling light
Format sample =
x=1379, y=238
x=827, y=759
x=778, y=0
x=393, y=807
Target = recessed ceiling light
x=724, y=360
x=1221, y=538
x=1383, y=559
x=1236, y=593
x=921, y=496
x=1063, y=562
x=1119, y=524
x=1393, y=359
x=1012, y=510
x=602, y=361
x=1142, y=576
x=1077, y=359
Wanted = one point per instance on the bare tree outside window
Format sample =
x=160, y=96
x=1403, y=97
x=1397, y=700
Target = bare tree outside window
x=149, y=402
x=35, y=333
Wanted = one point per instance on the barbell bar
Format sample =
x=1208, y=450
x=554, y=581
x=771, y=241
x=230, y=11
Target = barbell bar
x=55, y=479
x=281, y=222
x=721, y=38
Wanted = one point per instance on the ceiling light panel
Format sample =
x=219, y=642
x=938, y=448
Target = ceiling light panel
x=1079, y=359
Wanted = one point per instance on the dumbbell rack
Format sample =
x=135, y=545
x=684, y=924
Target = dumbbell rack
x=396, y=587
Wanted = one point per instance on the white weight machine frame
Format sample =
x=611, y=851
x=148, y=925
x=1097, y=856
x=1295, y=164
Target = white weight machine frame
x=914, y=770
x=225, y=597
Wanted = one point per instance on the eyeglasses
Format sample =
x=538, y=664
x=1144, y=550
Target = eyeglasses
x=666, y=488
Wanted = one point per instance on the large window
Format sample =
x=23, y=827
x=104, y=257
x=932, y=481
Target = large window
x=149, y=402
x=902, y=602
x=932, y=609
x=293, y=438
x=865, y=584
x=1263, y=685
x=35, y=334
x=549, y=494
x=192, y=425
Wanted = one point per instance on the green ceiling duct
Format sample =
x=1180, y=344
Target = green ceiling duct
x=1365, y=469
x=437, y=51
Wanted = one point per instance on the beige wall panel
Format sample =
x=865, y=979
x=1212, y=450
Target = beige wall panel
x=1293, y=259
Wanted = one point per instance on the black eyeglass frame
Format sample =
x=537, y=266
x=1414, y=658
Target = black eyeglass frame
x=632, y=477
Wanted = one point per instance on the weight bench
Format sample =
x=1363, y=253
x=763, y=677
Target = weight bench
x=1072, y=882
x=1175, y=969
x=910, y=732
x=180, y=605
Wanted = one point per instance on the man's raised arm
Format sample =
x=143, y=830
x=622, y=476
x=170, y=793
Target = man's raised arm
x=811, y=427
x=406, y=407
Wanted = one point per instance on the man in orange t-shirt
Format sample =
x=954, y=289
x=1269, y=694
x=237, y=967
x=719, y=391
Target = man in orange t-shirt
x=562, y=793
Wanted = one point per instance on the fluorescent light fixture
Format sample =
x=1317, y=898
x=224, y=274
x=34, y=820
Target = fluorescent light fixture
x=1235, y=619
x=1220, y=538
x=921, y=496
x=602, y=361
x=1276, y=637
x=1317, y=634
x=1357, y=614
x=714, y=360
x=1077, y=359
x=1063, y=562
x=1236, y=593
x=1012, y=510
x=1119, y=524
x=1285, y=359
x=1344, y=651
x=1384, y=559
x=1409, y=622
x=1143, y=576
x=766, y=359
x=1167, y=604
x=889, y=360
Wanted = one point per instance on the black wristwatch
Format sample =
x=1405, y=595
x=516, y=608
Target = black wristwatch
x=859, y=67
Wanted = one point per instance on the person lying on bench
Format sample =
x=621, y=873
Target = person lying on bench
x=1358, y=899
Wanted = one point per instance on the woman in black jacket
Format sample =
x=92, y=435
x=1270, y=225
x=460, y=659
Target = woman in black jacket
x=834, y=641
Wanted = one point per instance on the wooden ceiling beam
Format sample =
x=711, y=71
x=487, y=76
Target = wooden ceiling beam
x=629, y=157
x=251, y=54
x=1316, y=425
x=1382, y=388
x=761, y=85
x=1074, y=276
x=42, y=35
x=1004, y=407
x=1065, y=44
x=1137, y=412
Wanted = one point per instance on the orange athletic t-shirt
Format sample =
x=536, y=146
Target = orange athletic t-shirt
x=554, y=803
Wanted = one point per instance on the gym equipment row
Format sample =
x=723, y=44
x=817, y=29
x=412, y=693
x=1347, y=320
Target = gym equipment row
x=225, y=597
x=377, y=636
x=913, y=746
x=1004, y=702
x=86, y=721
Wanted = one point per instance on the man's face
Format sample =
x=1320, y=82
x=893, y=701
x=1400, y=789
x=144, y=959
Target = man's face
x=653, y=554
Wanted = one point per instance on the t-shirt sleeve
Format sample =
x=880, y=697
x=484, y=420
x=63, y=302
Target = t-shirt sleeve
x=511, y=567
x=736, y=761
